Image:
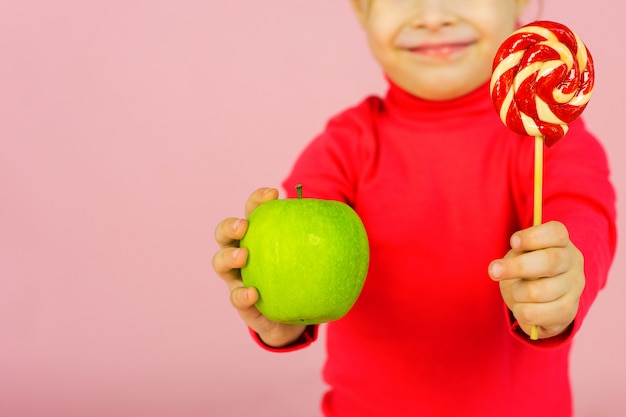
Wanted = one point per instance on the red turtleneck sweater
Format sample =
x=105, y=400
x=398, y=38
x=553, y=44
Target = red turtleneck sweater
x=440, y=187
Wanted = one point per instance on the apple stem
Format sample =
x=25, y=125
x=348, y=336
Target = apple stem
x=299, y=190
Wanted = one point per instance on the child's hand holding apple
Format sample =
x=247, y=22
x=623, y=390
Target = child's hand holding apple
x=228, y=262
x=292, y=263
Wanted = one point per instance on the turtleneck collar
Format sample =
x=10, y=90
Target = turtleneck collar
x=408, y=107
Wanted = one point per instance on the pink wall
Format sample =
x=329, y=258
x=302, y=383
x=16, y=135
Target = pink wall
x=127, y=130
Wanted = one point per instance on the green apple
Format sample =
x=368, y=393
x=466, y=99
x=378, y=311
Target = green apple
x=307, y=258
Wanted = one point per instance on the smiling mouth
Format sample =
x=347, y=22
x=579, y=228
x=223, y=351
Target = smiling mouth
x=441, y=50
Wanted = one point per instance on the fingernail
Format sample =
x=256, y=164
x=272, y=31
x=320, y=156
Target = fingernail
x=236, y=224
x=516, y=242
x=236, y=253
x=244, y=294
x=496, y=269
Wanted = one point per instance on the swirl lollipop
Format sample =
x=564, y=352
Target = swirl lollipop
x=542, y=80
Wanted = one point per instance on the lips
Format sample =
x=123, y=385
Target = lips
x=442, y=49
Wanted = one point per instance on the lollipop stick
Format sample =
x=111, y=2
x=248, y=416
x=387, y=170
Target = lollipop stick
x=538, y=195
x=537, y=203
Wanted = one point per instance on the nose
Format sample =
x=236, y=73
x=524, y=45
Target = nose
x=431, y=14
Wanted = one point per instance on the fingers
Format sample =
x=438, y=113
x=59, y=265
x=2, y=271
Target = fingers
x=550, y=303
x=272, y=333
x=537, y=252
x=229, y=260
x=244, y=300
x=260, y=196
x=531, y=265
x=552, y=318
x=227, y=263
x=243, y=297
x=230, y=231
x=537, y=291
x=551, y=234
x=541, y=278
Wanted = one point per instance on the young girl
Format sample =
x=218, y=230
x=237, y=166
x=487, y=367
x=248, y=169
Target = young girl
x=457, y=277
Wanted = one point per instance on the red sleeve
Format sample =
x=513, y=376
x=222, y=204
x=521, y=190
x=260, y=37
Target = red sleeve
x=578, y=193
x=308, y=337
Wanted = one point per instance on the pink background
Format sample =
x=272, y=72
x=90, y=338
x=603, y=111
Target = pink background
x=127, y=130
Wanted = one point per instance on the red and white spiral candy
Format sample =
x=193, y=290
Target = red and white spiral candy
x=542, y=80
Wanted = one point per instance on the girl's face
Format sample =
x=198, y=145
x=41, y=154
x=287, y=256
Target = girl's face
x=437, y=49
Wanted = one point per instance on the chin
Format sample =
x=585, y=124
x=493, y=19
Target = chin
x=438, y=86
x=436, y=93
x=443, y=89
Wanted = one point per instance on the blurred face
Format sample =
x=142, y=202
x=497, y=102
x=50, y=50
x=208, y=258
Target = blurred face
x=437, y=49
